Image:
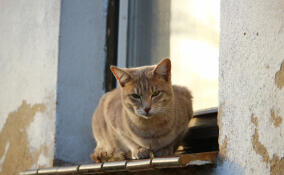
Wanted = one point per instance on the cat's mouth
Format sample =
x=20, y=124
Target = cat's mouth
x=148, y=116
x=145, y=116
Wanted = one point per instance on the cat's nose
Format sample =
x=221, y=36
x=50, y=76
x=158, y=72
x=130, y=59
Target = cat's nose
x=147, y=109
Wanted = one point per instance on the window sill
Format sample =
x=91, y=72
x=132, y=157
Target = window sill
x=179, y=163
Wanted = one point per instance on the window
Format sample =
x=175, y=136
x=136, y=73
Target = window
x=187, y=31
x=184, y=30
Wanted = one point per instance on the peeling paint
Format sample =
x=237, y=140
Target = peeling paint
x=18, y=155
x=222, y=145
x=257, y=145
x=42, y=159
x=277, y=166
x=253, y=75
x=219, y=121
x=41, y=125
x=276, y=120
x=4, y=155
x=223, y=148
x=254, y=120
x=279, y=77
x=219, y=116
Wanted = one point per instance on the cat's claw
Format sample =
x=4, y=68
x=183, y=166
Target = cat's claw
x=100, y=156
x=141, y=153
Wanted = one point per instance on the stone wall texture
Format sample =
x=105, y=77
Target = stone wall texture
x=251, y=93
x=29, y=32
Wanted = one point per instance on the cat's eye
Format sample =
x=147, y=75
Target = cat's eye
x=156, y=93
x=135, y=96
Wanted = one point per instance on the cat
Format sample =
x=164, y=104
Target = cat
x=146, y=116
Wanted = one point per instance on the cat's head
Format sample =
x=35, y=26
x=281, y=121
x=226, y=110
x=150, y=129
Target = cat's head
x=146, y=91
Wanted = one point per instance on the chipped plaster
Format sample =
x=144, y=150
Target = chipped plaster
x=276, y=165
x=30, y=71
x=276, y=119
x=223, y=149
x=279, y=77
x=223, y=143
x=250, y=78
x=257, y=145
x=43, y=160
x=29, y=51
x=2, y=159
x=19, y=154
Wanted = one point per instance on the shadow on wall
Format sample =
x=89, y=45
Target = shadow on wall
x=80, y=78
x=227, y=167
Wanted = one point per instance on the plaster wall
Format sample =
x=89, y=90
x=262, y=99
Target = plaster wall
x=251, y=93
x=29, y=33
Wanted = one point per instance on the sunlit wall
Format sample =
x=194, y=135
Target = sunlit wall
x=194, y=49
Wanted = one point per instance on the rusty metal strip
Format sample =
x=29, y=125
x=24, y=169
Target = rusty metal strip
x=131, y=165
x=199, y=158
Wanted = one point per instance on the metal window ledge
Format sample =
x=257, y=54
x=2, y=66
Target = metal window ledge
x=179, y=161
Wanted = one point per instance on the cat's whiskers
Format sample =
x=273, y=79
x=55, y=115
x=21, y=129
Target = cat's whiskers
x=147, y=112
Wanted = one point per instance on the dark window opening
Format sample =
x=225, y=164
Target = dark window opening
x=202, y=135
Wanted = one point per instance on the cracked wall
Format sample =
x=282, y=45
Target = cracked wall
x=28, y=68
x=251, y=80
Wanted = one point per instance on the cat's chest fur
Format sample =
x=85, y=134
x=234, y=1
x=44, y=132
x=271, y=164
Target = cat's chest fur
x=147, y=113
x=153, y=133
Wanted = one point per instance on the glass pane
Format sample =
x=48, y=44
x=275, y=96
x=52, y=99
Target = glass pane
x=187, y=31
x=194, y=48
x=148, y=31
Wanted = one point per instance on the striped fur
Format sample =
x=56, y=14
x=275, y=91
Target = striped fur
x=123, y=127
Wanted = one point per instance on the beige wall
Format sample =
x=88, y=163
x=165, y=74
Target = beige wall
x=251, y=94
x=28, y=67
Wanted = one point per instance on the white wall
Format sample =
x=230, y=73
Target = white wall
x=251, y=87
x=49, y=77
x=29, y=33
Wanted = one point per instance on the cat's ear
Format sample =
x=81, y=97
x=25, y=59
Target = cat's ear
x=164, y=69
x=121, y=75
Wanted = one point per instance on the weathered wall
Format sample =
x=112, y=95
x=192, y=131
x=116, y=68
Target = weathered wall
x=251, y=90
x=80, y=77
x=29, y=33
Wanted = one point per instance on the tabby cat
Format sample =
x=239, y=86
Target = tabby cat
x=146, y=116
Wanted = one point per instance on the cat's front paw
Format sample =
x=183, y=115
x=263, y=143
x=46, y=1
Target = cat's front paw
x=141, y=153
x=102, y=156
